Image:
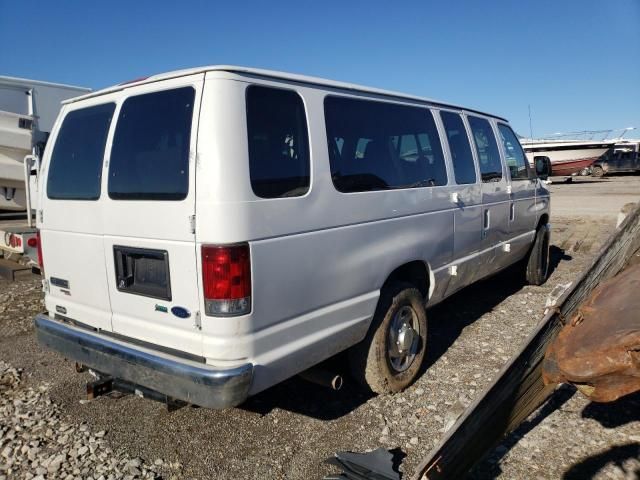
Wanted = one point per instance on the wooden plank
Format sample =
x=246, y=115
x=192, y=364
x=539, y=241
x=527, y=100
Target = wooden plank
x=519, y=389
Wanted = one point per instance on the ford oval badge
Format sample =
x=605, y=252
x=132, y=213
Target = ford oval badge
x=180, y=312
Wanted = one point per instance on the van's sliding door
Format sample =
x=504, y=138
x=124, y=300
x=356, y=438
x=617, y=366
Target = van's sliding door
x=496, y=198
x=466, y=199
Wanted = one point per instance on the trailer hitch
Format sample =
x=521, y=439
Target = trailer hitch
x=99, y=387
x=107, y=385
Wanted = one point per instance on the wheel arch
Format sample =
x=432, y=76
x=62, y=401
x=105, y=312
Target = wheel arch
x=543, y=220
x=417, y=272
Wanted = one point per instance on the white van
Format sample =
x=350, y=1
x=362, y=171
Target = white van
x=208, y=233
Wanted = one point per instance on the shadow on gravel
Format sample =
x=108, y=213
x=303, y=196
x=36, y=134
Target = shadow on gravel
x=490, y=466
x=449, y=318
x=590, y=466
x=398, y=457
x=577, y=180
x=615, y=414
x=299, y=396
x=620, y=174
x=557, y=255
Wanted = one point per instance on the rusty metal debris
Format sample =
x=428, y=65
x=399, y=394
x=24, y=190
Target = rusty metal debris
x=599, y=349
x=376, y=465
x=519, y=388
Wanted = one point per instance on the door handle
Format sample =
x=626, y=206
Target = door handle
x=487, y=219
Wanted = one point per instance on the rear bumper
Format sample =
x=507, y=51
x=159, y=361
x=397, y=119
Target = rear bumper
x=186, y=380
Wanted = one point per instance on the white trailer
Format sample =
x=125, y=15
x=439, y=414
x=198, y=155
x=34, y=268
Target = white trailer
x=28, y=110
x=18, y=246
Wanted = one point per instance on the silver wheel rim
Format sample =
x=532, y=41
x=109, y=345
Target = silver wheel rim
x=404, y=339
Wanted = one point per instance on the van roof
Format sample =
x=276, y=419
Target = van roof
x=292, y=77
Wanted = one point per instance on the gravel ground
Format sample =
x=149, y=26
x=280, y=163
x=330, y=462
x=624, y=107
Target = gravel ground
x=288, y=431
x=19, y=302
x=37, y=443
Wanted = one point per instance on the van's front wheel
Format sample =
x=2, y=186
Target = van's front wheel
x=388, y=360
x=538, y=263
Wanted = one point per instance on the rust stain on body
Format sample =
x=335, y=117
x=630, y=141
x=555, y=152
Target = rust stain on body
x=599, y=348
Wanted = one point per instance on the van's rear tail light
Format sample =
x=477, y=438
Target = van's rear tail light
x=39, y=246
x=226, y=276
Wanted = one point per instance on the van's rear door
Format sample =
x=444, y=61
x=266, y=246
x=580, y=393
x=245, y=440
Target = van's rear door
x=70, y=215
x=149, y=241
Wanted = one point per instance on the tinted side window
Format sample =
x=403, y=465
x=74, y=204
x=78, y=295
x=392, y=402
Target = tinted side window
x=278, y=145
x=76, y=161
x=461, y=155
x=150, y=153
x=516, y=160
x=379, y=146
x=487, y=149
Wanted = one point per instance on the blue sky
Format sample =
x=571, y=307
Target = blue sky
x=576, y=62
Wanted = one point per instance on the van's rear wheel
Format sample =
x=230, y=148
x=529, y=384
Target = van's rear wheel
x=388, y=360
x=538, y=263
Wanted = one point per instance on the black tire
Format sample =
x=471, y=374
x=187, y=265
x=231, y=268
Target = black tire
x=371, y=362
x=597, y=171
x=538, y=263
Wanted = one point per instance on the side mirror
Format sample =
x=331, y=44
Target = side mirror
x=543, y=167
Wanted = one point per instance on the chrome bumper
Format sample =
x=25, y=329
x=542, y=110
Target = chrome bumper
x=186, y=380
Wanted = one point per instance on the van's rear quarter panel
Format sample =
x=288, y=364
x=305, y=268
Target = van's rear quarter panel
x=314, y=294
x=316, y=269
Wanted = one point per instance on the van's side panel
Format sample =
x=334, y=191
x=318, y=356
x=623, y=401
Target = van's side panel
x=225, y=193
x=337, y=272
x=318, y=261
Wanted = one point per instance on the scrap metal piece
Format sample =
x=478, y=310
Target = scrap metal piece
x=519, y=388
x=599, y=349
x=375, y=465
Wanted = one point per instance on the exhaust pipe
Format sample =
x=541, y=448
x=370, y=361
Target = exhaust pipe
x=323, y=378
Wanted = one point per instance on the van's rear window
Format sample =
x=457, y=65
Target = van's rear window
x=76, y=161
x=278, y=145
x=150, y=153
